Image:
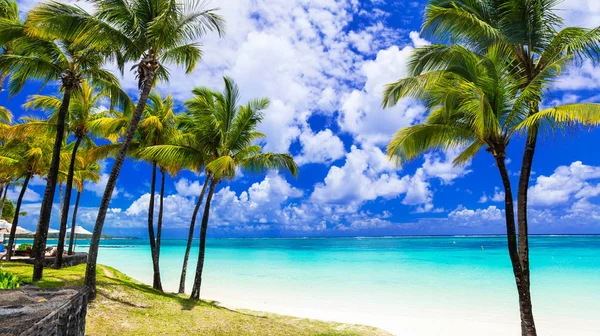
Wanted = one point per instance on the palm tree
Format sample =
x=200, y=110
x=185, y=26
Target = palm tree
x=83, y=114
x=11, y=27
x=475, y=102
x=47, y=57
x=89, y=170
x=26, y=157
x=218, y=129
x=157, y=128
x=194, y=161
x=151, y=33
x=531, y=30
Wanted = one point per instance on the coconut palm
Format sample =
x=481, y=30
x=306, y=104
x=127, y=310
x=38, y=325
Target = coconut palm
x=26, y=157
x=47, y=57
x=194, y=161
x=531, y=30
x=157, y=128
x=88, y=170
x=12, y=29
x=84, y=112
x=151, y=33
x=220, y=132
x=476, y=102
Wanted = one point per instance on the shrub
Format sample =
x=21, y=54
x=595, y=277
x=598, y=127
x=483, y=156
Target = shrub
x=9, y=280
x=23, y=247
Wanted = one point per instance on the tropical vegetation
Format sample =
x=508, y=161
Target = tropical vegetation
x=483, y=82
x=487, y=84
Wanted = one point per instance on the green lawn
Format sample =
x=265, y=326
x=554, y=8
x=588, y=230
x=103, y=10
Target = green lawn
x=127, y=307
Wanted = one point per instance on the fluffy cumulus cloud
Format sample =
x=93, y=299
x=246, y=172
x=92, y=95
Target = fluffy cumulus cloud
x=323, y=147
x=470, y=217
x=361, y=113
x=366, y=175
x=574, y=183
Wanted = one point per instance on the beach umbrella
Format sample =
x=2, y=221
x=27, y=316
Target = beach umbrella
x=53, y=231
x=79, y=231
x=5, y=227
x=4, y=224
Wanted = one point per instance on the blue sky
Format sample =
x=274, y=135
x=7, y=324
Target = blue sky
x=323, y=64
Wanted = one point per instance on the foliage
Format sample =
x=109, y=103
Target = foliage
x=23, y=247
x=9, y=210
x=9, y=280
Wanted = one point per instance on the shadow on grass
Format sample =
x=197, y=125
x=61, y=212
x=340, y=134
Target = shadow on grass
x=186, y=304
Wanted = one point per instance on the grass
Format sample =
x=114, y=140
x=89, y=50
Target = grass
x=125, y=306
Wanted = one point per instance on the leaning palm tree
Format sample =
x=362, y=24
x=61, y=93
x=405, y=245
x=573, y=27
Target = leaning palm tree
x=25, y=157
x=220, y=130
x=49, y=57
x=88, y=170
x=476, y=102
x=151, y=33
x=81, y=121
x=540, y=49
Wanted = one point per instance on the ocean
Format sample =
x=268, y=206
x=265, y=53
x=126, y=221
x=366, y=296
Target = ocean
x=406, y=285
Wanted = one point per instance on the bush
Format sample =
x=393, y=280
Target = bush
x=9, y=280
x=23, y=247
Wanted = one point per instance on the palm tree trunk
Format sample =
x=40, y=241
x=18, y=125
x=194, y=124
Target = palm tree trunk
x=156, y=284
x=64, y=215
x=527, y=324
x=190, y=238
x=527, y=321
x=160, y=215
x=90, y=271
x=60, y=198
x=2, y=80
x=13, y=229
x=203, y=228
x=4, y=198
x=41, y=234
x=74, y=223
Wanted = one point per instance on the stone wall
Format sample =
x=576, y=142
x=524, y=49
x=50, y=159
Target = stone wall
x=68, y=260
x=67, y=320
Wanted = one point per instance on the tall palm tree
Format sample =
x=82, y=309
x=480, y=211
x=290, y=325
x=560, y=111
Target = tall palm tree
x=47, y=57
x=540, y=49
x=89, y=170
x=151, y=33
x=26, y=157
x=475, y=102
x=193, y=161
x=157, y=128
x=81, y=121
x=218, y=129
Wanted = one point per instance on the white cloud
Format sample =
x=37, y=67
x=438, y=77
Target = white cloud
x=188, y=188
x=99, y=187
x=361, y=112
x=565, y=184
x=445, y=169
x=467, y=216
x=580, y=13
x=498, y=195
x=29, y=196
x=323, y=147
x=366, y=175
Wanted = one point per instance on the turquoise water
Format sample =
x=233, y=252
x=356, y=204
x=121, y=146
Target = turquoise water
x=465, y=284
